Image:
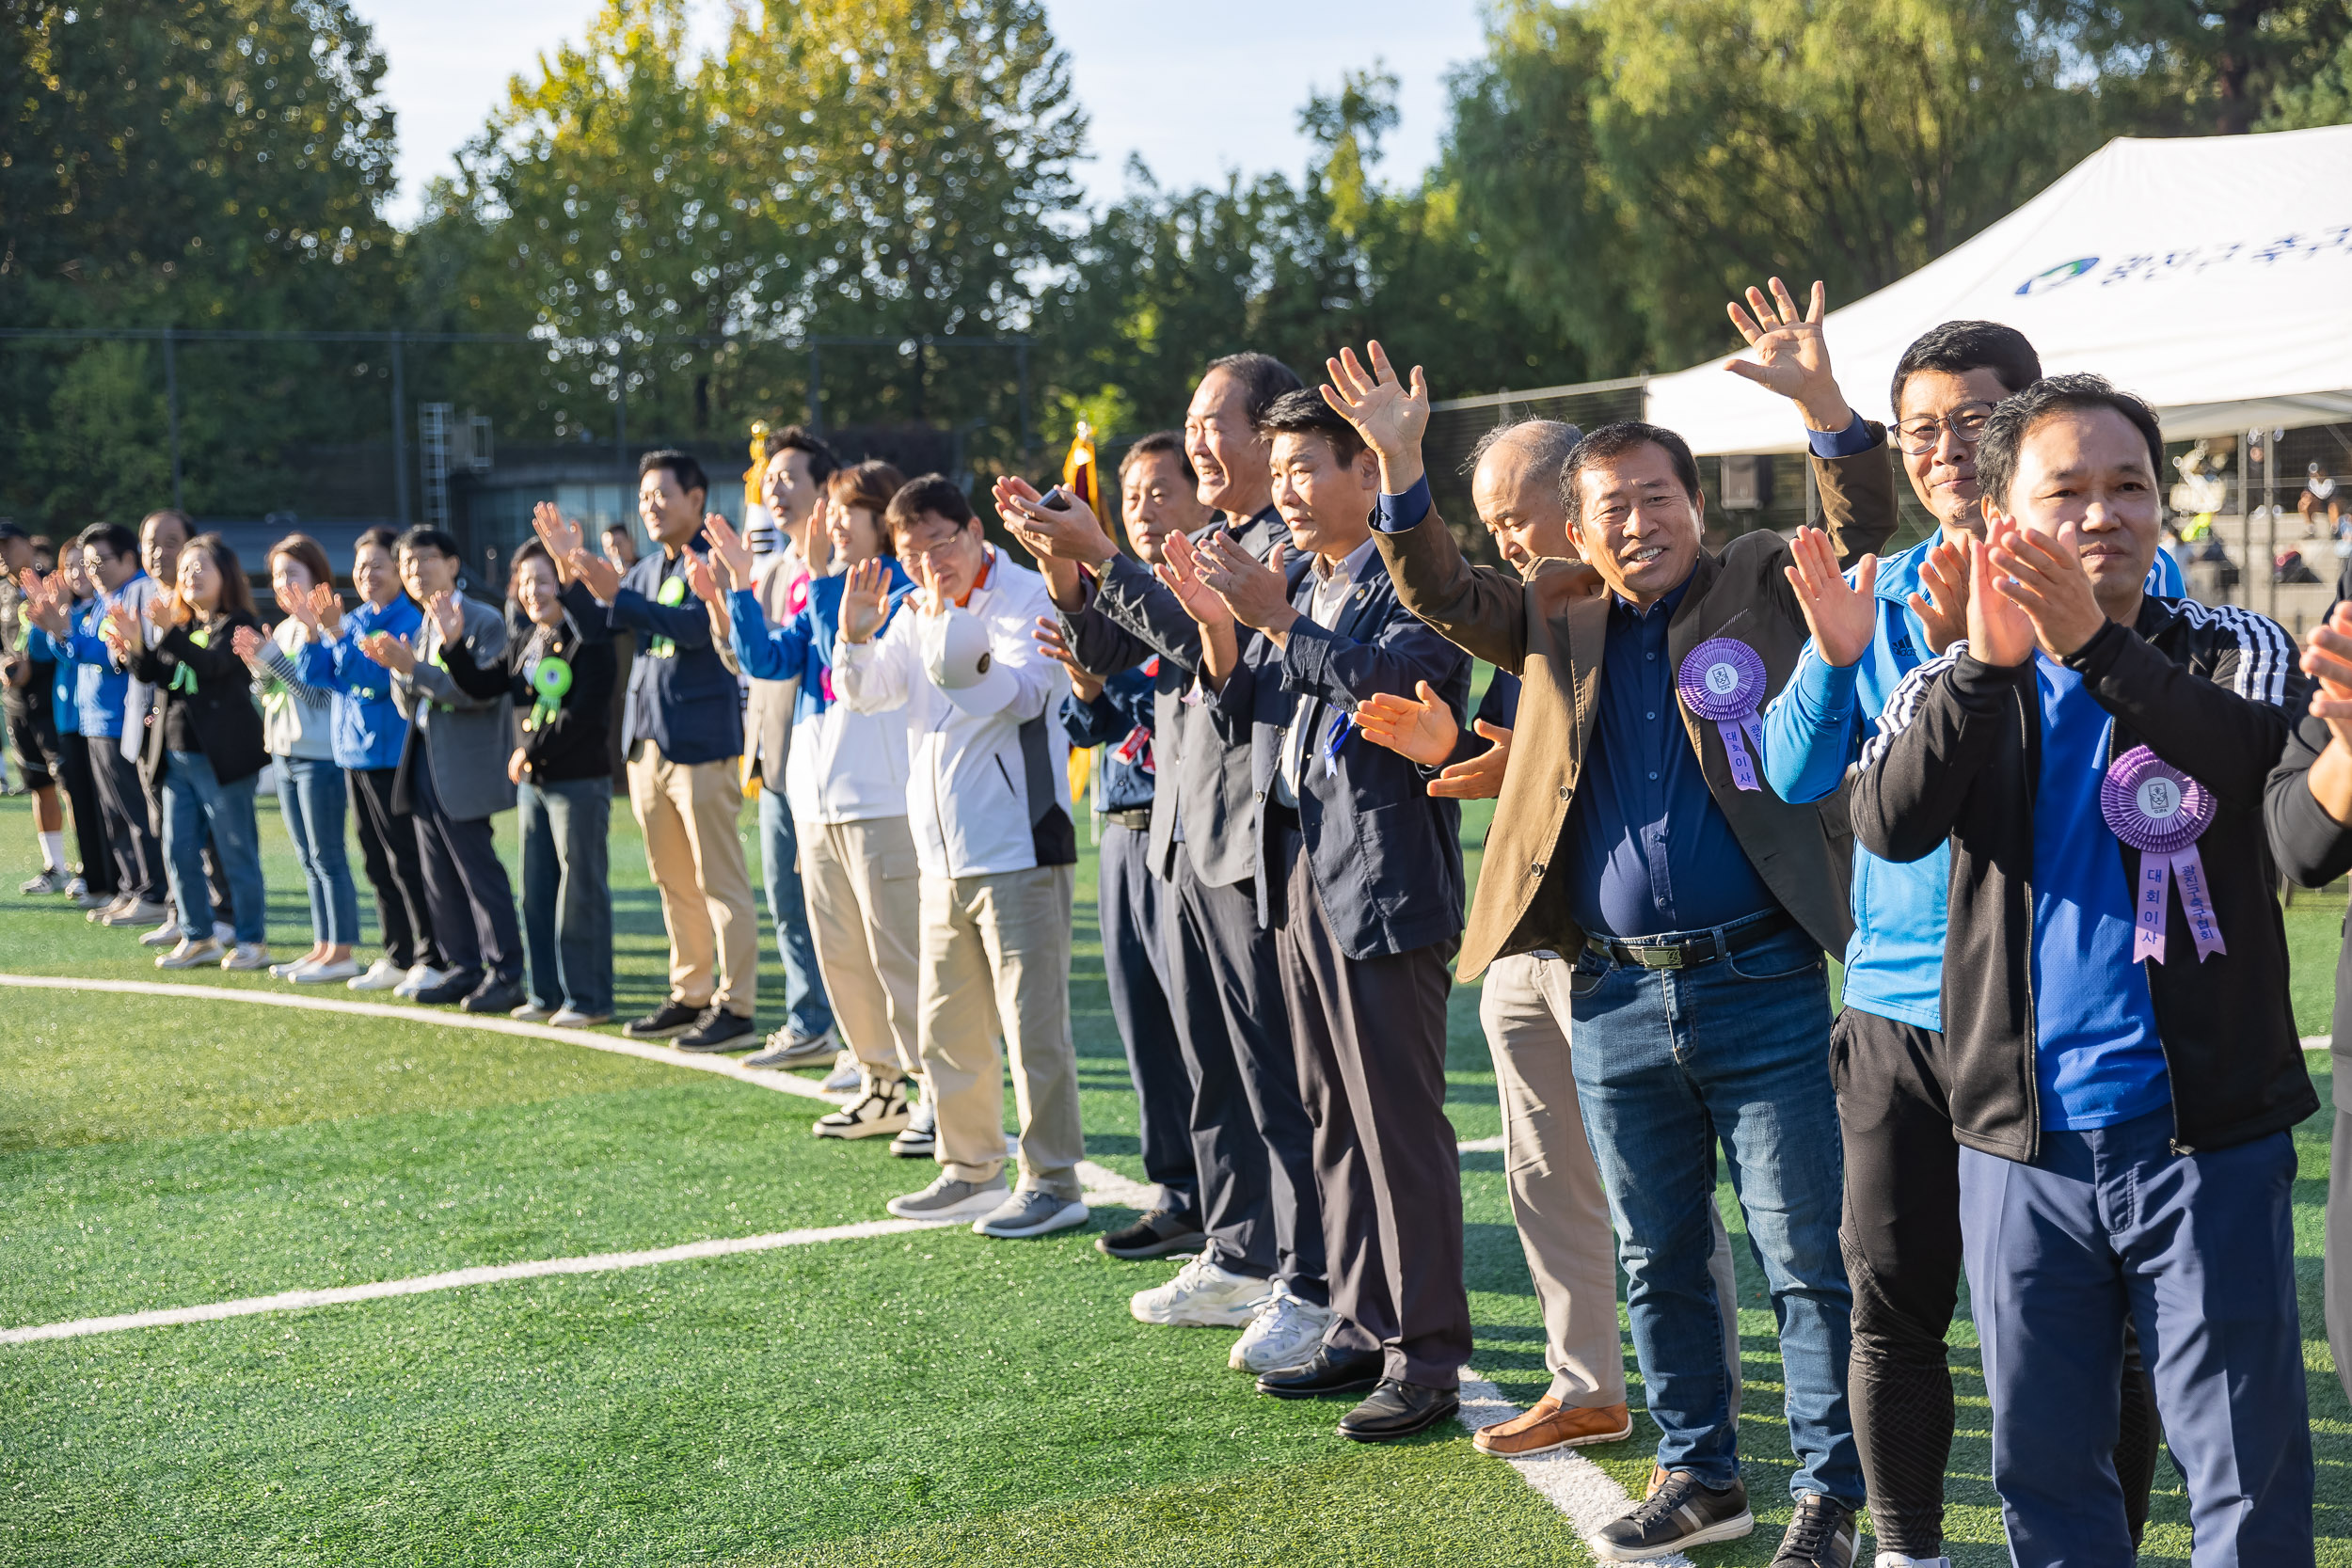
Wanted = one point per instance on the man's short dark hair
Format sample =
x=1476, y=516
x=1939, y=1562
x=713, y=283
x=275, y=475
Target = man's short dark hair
x=616, y=526
x=1302, y=412
x=10, y=532
x=169, y=514
x=683, y=466
x=1547, y=443
x=1614, y=440
x=1958, y=347
x=927, y=493
x=1264, y=379
x=823, y=461
x=384, y=539
x=111, y=538
x=1160, y=443
x=426, y=537
x=2014, y=416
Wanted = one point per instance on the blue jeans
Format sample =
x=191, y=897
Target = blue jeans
x=567, y=893
x=2197, y=1250
x=311, y=797
x=195, y=803
x=806, y=1009
x=1670, y=1062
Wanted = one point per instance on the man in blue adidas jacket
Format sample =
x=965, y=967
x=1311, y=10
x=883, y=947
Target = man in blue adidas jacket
x=1901, y=1230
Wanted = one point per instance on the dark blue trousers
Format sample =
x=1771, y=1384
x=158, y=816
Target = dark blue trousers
x=2198, y=1249
x=1131, y=906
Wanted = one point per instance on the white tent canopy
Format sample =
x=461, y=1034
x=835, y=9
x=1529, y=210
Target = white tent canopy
x=2212, y=276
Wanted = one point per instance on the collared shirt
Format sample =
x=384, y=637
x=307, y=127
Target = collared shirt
x=1326, y=604
x=1653, y=853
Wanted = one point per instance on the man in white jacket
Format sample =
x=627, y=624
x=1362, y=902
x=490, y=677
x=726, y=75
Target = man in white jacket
x=987, y=794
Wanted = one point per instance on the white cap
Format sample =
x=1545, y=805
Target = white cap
x=960, y=656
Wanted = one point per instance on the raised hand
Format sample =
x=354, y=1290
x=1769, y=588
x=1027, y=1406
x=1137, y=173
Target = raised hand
x=1055, y=647
x=448, y=615
x=1420, y=729
x=1792, y=353
x=247, y=644
x=602, y=577
x=389, y=651
x=1943, y=610
x=167, y=609
x=1481, y=777
x=1071, y=533
x=301, y=608
x=123, y=634
x=1256, y=592
x=1842, y=616
x=2045, y=576
x=865, y=602
x=729, y=550
x=45, y=602
x=559, y=533
x=700, y=577
x=2000, y=631
x=1180, y=574
x=1389, y=414
x=2328, y=659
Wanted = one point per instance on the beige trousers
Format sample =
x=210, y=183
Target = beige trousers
x=1556, y=1195
x=996, y=956
x=694, y=849
x=863, y=913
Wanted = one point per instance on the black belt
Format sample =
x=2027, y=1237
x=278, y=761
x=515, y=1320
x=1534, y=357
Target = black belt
x=1690, y=952
x=1137, y=817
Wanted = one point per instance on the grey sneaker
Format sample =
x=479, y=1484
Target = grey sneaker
x=950, y=1199
x=1679, y=1511
x=785, y=1048
x=48, y=881
x=1032, y=1212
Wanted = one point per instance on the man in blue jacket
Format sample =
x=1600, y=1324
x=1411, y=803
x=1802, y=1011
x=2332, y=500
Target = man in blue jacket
x=683, y=732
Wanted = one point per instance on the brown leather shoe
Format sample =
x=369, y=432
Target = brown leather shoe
x=1551, y=1426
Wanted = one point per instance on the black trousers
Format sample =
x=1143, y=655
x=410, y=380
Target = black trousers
x=97, y=862
x=1251, y=1142
x=1132, y=906
x=1900, y=1237
x=138, y=849
x=467, y=888
x=388, y=846
x=2337, y=1273
x=1371, y=1040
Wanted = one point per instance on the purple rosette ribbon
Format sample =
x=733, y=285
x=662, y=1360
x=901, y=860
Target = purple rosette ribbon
x=2161, y=811
x=1722, y=680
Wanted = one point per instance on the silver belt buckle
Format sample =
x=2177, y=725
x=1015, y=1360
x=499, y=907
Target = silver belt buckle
x=1658, y=958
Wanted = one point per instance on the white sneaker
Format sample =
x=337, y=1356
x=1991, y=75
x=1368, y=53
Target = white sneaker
x=48, y=881
x=383, y=974
x=1897, y=1560
x=1201, y=1296
x=224, y=933
x=530, y=1012
x=188, y=955
x=133, y=911
x=421, y=978
x=162, y=936
x=312, y=973
x=285, y=970
x=1284, y=1334
x=572, y=1018
x=882, y=1108
x=846, y=1076
x=246, y=955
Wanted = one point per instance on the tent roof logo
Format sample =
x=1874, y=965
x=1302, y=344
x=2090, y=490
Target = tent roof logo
x=2065, y=272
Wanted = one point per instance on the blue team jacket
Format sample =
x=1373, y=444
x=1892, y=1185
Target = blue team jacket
x=367, y=728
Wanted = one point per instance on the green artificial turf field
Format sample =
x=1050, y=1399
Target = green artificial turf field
x=917, y=1398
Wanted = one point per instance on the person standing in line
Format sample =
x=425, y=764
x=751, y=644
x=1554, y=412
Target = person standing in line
x=1636, y=835
x=452, y=779
x=846, y=784
x=2125, y=1078
x=559, y=675
x=25, y=684
x=793, y=485
x=988, y=794
x=1901, y=1228
x=1253, y=1147
x=684, y=739
x=65, y=600
x=1158, y=497
x=620, y=548
x=297, y=724
x=162, y=536
x=204, y=748
x=109, y=554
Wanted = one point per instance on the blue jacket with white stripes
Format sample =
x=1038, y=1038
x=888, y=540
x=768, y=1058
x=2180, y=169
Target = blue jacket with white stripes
x=2215, y=692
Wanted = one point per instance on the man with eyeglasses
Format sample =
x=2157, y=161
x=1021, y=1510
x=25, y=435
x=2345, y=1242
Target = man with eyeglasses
x=1901, y=1230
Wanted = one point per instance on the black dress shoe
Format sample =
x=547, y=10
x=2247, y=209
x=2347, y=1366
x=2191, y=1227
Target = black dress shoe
x=494, y=995
x=719, y=1030
x=670, y=1018
x=1345, y=1372
x=1155, y=1235
x=455, y=989
x=1398, y=1410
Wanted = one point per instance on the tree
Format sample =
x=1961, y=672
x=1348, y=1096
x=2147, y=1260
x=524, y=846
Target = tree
x=2197, y=67
x=2325, y=98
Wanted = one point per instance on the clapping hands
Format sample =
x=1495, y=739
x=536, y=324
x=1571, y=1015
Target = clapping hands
x=390, y=652
x=1050, y=641
x=865, y=601
x=1842, y=616
x=729, y=550
x=1420, y=729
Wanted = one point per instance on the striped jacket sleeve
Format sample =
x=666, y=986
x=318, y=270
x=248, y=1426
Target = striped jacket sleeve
x=2224, y=717
x=1941, y=726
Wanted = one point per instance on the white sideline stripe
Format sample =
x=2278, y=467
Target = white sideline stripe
x=1588, y=1495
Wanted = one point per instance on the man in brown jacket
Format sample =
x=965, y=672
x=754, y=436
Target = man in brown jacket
x=1634, y=830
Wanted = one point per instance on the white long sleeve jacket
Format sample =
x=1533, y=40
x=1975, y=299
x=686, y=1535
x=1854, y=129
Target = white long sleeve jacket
x=988, y=786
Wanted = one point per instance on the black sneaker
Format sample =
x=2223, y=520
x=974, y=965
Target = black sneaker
x=1822, y=1535
x=1155, y=1235
x=455, y=989
x=1681, y=1512
x=670, y=1018
x=494, y=995
x=719, y=1030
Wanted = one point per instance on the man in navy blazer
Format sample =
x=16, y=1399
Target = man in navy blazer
x=1362, y=886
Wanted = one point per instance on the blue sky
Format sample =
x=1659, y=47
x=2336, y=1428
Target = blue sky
x=1196, y=88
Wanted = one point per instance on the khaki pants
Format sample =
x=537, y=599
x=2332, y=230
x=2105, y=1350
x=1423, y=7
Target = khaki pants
x=863, y=915
x=1556, y=1196
x=996, y=955
x=694, y=849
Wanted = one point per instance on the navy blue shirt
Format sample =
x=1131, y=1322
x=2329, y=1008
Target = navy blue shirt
x=1652, y=854
x=1118, y=721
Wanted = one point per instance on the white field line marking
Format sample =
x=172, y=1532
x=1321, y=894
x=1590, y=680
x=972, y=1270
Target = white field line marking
x=1588, y=1495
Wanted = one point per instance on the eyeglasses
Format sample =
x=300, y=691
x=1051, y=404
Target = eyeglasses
x=1966, y=424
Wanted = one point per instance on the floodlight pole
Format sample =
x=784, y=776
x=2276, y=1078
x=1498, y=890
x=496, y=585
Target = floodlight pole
x=171, y=417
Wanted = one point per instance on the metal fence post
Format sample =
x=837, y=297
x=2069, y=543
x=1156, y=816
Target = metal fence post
x=620, y=402
x=816, y=389
x=171, y=416
x=400, y=435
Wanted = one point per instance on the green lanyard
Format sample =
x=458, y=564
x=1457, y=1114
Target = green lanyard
x=673, y=594
x=183, y=677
